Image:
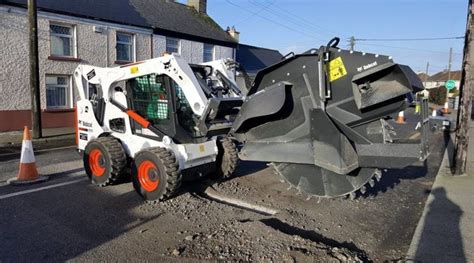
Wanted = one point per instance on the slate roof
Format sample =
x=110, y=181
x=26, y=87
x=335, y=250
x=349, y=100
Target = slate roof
x=423, y=76
x=443, y=76
x=163, y=16
x=256, y=58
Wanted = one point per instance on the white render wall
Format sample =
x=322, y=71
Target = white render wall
x=435, y=84
x=191, y=51
x=91, y=49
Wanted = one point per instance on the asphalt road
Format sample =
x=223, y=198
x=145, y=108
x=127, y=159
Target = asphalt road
x=67, y=218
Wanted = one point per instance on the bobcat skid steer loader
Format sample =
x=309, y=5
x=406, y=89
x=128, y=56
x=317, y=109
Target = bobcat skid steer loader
x=159, y=119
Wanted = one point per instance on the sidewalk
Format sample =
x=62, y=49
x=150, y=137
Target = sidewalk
x=10, y=142
x=445, y=232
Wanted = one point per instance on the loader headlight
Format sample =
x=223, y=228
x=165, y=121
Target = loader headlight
x=197, y=106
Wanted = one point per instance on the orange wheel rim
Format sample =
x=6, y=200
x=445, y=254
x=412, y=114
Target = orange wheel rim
x=148, y=176
x=96, y=162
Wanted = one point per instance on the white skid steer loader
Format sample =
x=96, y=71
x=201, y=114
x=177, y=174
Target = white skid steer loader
x=159, y=119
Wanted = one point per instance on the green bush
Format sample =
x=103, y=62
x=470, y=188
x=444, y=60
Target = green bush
x=437, y=95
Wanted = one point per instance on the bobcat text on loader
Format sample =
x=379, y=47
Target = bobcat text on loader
x=158, y=119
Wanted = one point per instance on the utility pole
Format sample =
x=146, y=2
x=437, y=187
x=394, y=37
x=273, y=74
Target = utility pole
x=450, y=62
x=449, y=75
x=34, y=70
x=426, y=72
x=352, y=42
x=465, y=100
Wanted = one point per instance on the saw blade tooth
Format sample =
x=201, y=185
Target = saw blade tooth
x=363, y=189
x=352, y=195
x=371, y=182
x=378, y=175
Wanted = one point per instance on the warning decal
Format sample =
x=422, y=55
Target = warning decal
x=336, y=69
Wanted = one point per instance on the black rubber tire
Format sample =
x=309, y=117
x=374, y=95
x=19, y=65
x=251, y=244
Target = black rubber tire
x=167, y=171
x=227, y=157
x=114, y=160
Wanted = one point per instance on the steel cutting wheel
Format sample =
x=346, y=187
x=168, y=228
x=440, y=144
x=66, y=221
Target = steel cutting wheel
x=320, y=182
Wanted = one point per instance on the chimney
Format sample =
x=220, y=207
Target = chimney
x=199, y=5
x=233, y=33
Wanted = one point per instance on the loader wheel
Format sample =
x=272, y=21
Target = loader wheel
x=155, y=174
x=227, y=157
x=104, y=160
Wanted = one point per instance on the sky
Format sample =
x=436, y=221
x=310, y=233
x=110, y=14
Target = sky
x=299, y=25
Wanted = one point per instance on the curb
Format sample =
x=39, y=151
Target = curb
x=14, y=181
x=17, y=142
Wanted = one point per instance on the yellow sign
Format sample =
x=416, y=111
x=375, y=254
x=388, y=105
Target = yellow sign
x=133, y=70
x=336, y=69
x=201, y=148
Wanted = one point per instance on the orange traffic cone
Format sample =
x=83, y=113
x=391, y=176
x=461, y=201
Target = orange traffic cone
x=401, y=117
x=28, y=173
x=446, y=108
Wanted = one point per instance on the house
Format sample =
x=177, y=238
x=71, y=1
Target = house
x=101, y=33
x=253, y=59
x=440, y=78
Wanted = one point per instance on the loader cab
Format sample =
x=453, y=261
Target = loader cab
x=161, y=101
x=213, y=82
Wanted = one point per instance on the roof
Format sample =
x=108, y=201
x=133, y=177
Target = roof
x=423, y=76
x=443, y=76
x=163, y=16
x=254, y=58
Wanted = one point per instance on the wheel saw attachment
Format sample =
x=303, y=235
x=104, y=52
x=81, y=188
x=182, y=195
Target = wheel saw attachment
x=324, y=119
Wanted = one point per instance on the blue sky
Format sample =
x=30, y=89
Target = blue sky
x=302, y=24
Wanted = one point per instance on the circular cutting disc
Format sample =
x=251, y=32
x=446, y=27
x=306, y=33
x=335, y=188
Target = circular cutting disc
x=320, y=182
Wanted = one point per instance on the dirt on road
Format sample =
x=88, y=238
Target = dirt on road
x=377, y=226
x=81, y=222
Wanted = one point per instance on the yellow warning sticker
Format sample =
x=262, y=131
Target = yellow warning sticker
x=133, y=70
x=202, y=148
x=336, y=69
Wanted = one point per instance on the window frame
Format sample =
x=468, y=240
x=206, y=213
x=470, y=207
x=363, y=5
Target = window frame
x=68, y=89
x=132, y=46
x=213, y=52
x=72, y=37
x=178, y=41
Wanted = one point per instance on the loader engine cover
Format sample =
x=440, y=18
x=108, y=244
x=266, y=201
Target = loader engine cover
x=322, y=118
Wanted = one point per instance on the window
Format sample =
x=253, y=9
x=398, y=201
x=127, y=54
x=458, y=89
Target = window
x=172, y=45
x=58, y=92
x=62, y=40
x=150, y=98
x=208, y=53
x=125, y=47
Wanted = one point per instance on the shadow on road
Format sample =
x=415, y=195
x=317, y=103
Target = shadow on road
x=441, y=239
x=313, y=236
x=62, y=223
x=248, y=167
x=429, y=167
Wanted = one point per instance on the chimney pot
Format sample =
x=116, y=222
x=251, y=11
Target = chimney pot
x=199, y=5
x=233, y=33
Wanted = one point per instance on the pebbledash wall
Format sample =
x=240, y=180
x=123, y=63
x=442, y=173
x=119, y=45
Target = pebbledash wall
x=95, y=44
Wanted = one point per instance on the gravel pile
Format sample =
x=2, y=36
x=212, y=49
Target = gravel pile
x=233, y=187
x=248, y=240
x=222, y=232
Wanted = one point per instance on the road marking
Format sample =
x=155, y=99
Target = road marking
x=40, y=189
x=212, y=194
x=38, y=151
